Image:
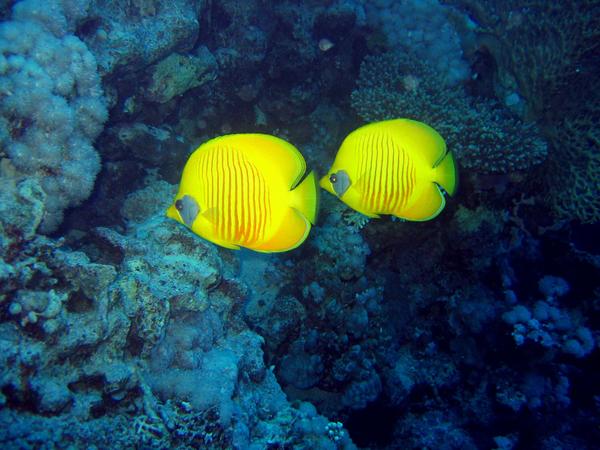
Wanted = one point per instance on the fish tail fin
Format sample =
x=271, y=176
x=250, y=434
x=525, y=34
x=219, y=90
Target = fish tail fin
x=305, y=197
x=446, y=173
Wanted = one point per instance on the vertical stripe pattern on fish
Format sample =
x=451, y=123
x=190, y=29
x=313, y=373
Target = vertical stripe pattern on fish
x=246, y=190
x=393, y=167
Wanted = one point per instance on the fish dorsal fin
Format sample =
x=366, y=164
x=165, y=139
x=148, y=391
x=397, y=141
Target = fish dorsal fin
x=272, y=156
x=418, y=139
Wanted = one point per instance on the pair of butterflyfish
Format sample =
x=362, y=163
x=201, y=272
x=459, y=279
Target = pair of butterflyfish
x=252, y=190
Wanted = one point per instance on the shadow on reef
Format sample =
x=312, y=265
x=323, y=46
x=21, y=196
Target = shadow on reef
x=373, y=425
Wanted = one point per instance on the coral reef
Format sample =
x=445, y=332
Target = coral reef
x=572, y=180
x=483, y=136
x=51, y=103
x=545, y=57
x=127, y=36
x=547, y=324
x=121, y=329
x=177, y=73
x=66, y=318
x=535, y=44
x=424, y=28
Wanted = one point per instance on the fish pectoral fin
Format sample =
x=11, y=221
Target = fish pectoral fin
x=211, y=215
x=292, y=232
x=352, y=198
x=359, y=183
x=428, y=205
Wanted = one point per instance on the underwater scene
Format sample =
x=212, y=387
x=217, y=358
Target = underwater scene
x=334, y=224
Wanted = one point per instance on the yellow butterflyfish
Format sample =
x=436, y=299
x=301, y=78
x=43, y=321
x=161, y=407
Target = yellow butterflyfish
x=247, y=190
x=393, y=167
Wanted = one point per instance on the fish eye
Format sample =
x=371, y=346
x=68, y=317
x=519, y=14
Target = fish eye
x=333, y=178
x=179, y=205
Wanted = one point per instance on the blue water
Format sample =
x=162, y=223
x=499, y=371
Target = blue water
x=122, y=328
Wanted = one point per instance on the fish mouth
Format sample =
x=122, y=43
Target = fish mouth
x=172, y=213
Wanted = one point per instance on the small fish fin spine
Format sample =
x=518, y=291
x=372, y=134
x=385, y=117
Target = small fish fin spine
x=446, y=173
x=305, y=197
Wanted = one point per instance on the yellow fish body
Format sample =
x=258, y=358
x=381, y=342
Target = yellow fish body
x=245, y=190
x=393, y=167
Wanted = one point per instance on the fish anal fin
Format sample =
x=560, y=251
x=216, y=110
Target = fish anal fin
x=292, y=232
x=217, y=241
x=225, y=244
x=353, y=198
x=428, y=205
x=370, y=215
